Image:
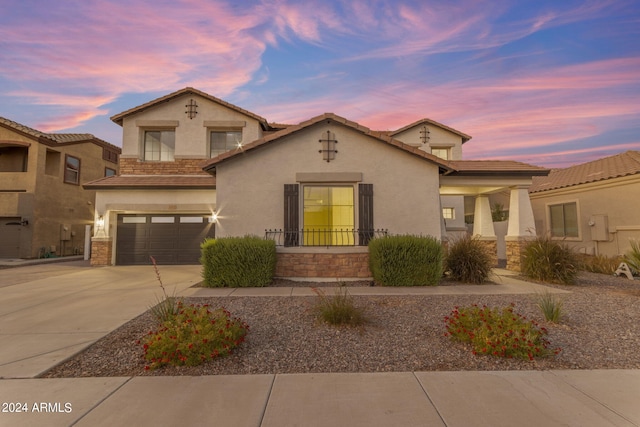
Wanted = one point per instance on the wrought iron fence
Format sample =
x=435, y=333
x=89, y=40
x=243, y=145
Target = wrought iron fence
x=323, y=237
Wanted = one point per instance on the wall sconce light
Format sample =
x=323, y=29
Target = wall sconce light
x=214, y=217
x=100, y=222
x=24, y=222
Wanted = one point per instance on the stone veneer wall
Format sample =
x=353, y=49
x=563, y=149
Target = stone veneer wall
x=130, y=166
x=327, y=265
x=491, y=247
x=514, y=253
x=101, y=251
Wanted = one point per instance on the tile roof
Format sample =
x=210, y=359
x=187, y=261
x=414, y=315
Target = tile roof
x=119, y=118
x=52, y=139
x=381, y=136
x=152, y=181
x=623, y=164
x=464, y=136
x=491, y=167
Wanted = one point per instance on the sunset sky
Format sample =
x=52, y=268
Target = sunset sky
x=547, y=82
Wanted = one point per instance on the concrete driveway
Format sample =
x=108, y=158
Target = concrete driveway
x=49, y=312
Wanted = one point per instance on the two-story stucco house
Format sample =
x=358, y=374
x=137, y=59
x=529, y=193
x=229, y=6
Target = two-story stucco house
x=44, y=210
x=193, y=166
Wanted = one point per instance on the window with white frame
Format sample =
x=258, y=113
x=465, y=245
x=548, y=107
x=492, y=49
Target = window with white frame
x=443, y=153
x=563, y=220
x=159, y=145
x=449, y=213
x=223, y=141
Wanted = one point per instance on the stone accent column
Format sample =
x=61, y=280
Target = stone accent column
x=515, y=248
x=101, y=251
x=522, y=226
x=491, y=246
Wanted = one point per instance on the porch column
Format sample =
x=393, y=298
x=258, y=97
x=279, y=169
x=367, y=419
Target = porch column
x=522, y=226
x=483, y=226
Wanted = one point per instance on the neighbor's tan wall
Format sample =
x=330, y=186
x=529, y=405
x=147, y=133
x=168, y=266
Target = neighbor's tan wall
x=250, y=188
x=192, y=137
x=24, y=181
x=614, y=198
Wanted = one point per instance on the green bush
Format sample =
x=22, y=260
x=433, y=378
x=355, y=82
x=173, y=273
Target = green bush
x=497, y=332
x=405, y=260
x=547, y=260
x=338, y=309
x=468, y=260
x=550, y=306
x=238, y=262
x=195, y=334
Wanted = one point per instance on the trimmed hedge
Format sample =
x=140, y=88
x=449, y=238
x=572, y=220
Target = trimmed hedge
x=406, y=260
x=234, y=262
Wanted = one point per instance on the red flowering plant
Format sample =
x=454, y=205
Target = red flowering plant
x=192, y=336
x=498, y=332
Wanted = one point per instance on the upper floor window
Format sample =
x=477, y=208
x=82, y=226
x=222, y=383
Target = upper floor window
x=448, y=213
x=159, y=145
x=109, y=172
x=72, y=170
x=443, y=153
x=223, y=141
x=13, y=159
x=563, y=219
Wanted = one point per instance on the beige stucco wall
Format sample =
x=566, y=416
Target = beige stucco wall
x=615, y=198
x=46, y=201
x=192, y=136
x=439, y=138
x=250, y=188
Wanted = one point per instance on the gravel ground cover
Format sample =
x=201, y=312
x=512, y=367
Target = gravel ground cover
x=600, y=330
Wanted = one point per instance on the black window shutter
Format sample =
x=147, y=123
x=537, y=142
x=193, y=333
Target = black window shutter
x=291, y=214
x=365, y=213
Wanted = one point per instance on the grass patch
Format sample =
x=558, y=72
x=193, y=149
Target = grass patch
x=338, y=309
x=550, y=306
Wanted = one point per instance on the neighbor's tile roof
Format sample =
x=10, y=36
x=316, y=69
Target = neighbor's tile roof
x=55, y=138
x=152, y=181
x=442, y=164
x=491, y=167
x=119, y=118
x=620, y=165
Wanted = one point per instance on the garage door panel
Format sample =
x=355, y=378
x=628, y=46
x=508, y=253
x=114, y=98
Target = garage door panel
x=170, y=239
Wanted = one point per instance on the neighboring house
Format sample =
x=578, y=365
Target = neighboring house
x=194, y=166
x=594, y=207
x=44, y=210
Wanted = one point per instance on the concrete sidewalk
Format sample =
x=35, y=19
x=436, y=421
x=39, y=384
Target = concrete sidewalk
x=515, y=398
x=50, y=312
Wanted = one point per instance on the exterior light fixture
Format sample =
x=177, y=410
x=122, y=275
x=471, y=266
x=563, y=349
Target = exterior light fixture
x=214, y=217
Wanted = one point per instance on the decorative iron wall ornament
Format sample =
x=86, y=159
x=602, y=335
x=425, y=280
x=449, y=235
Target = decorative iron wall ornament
x=328, y=146
x=425, y=134
x=192, y=109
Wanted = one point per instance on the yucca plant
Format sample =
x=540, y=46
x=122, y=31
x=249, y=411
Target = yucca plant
x=550, y=306
x=547, y=260
x=632, y=257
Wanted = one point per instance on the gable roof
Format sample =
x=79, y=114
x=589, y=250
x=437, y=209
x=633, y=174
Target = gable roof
x=380, y=136
x=53, y=139
x=464, y=136
x=619, y=165
x=119, y=118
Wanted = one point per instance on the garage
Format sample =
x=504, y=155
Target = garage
x=10, y=228
x=169, y=238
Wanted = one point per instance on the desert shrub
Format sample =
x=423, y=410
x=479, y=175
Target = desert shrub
x=548, y=260
x=468, y=260
x=195, y=334
x=238, y=261
x=599, y=263
x=550, y=306
x=405, y=260
x=338, y=309
x=497, y=332
x=632, y=257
